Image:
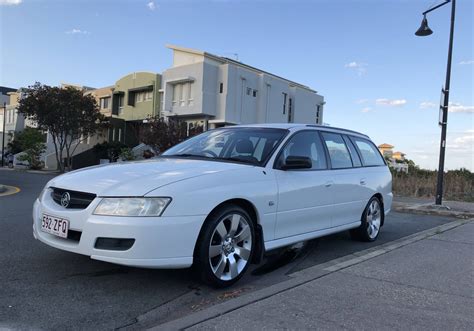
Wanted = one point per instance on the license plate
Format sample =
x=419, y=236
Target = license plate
x=55, y=225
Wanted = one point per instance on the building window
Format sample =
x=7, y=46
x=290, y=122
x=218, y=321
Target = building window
x=285, y=96
x=318, y=114
x=249, y=90
x=119, y=134
x=254, y=93
x=190, y=94
x=120, y=104
x=221, y=88
x=183, y=94
x=148, y=95
x=290, y=110
x=113, y=134
x=104, y=103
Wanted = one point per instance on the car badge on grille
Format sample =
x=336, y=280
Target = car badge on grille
x=65, y=199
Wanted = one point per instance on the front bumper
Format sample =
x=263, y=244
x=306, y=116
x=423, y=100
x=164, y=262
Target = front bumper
x=160, y=242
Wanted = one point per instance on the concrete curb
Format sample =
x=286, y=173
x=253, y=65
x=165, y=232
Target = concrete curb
x=2, y=188
x=302, y=277
x=426, y=209
x=41, y=172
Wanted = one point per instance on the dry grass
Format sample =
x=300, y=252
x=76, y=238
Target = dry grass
x=458, y=184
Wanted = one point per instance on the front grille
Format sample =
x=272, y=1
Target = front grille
x=78, y=200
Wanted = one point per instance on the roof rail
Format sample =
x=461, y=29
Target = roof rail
x=335, y=128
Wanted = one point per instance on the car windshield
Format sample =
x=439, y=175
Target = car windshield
x=243, y=145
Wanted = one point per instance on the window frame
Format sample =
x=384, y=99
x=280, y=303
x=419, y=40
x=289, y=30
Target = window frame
x=287, y=141
x=346, y=140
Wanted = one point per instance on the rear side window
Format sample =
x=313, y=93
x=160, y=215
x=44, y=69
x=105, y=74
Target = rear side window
x=338, y=152
x=368, y=151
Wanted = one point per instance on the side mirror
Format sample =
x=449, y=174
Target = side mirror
x=297, y=162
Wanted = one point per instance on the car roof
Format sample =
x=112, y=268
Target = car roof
x=299, y=126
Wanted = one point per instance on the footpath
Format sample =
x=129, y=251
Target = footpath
x=424, y=281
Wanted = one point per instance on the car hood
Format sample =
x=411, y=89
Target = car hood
x=137, y=178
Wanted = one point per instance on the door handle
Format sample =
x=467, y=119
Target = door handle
x=362, y=182
x=328, y=184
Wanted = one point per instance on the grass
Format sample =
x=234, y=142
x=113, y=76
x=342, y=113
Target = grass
x=458, y=185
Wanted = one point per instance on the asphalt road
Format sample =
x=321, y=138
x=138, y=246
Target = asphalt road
x=45, y=288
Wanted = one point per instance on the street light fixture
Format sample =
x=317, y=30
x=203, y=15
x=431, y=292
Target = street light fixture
x=424, y=30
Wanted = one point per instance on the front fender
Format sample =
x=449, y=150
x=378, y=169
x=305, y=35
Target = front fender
x=200, y=195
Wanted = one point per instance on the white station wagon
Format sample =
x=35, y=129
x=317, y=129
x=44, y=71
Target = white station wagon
x=219, y=200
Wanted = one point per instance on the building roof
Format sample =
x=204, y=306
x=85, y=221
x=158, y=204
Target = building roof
x=224, y=60
x=385, y=146
x=5, y=90
x=399, y=153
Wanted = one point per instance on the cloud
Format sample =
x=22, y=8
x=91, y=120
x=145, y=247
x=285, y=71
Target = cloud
x=455, y=107
x=10, y=2
x=428, y=104
x=467, y=62
x=390, y=102
x=151, y=5
x=77, y=31
x=366, y=109
x=467, y=139
x=361, y=101
x=359, y=67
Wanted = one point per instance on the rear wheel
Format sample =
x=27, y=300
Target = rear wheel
x=371, y=222
x=225, y=246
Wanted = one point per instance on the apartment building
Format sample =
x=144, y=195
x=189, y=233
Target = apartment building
x=4, y=101
x=202, y=88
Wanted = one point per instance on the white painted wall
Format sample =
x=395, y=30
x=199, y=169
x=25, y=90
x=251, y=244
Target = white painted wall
x=234, y=105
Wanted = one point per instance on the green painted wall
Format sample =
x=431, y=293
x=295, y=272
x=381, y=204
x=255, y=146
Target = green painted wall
x=130, y=83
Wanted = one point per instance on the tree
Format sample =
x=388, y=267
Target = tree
x=162, y=134
x=66, y=114
x=31, y=143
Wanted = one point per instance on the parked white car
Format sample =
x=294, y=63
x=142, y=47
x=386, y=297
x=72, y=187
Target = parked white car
x=219, y=200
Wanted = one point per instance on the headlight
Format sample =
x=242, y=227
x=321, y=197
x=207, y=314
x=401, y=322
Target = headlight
x=132, y=206
x=43, y=193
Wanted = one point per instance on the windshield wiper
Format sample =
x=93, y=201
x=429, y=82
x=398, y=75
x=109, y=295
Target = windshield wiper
x=189, y=155
x=237, y=159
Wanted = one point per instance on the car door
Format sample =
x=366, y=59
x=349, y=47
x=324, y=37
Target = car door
x=347, y=192
x=304, y=195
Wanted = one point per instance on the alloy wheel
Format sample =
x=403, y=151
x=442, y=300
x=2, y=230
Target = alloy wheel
x=230, y=246
x=373, y=218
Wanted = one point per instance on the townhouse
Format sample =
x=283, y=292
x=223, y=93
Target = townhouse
x=204, y=90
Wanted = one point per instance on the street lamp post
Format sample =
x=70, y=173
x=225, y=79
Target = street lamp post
x=3, y=131
x=424, y=30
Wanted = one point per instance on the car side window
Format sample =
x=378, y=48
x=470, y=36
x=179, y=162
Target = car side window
x=368, y=151
x=308, y=144
x=354, y=155
x=338, y=152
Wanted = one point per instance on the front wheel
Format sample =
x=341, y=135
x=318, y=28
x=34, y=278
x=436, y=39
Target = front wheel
x=371, y=222
x=225, y=246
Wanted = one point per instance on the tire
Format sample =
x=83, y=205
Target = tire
x=371, y=222
x=225, y=246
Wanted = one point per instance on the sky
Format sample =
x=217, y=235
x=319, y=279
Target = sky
x=377, y=77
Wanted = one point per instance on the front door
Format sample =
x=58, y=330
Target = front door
x=304, y=195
